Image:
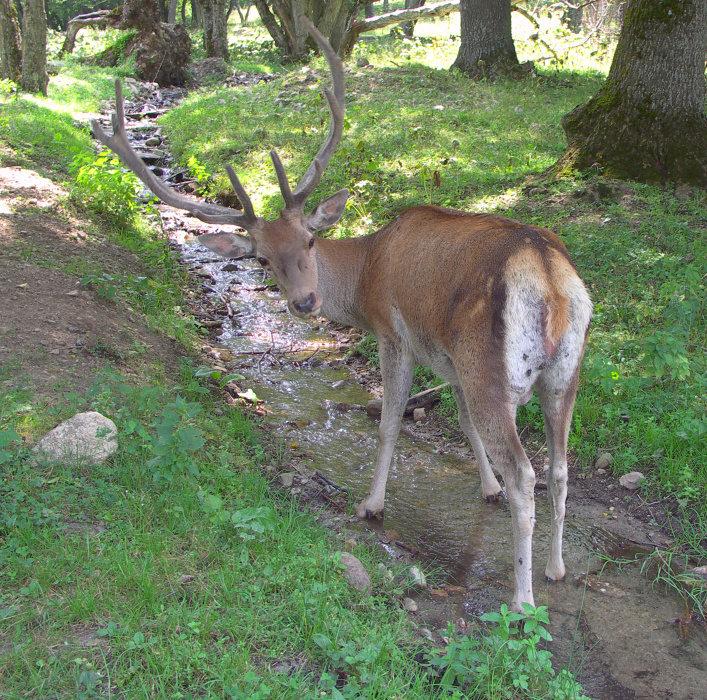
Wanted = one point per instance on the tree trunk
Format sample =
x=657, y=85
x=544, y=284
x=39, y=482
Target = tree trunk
x=34, y=47
x=438, y=9
x=213, y=18
x=409, y=27
x=161, y=51
x=487, y=49
x=172, y=16
x=100, y=18
x=333, y=18
x=141, y=15
x=10, y=42
x=648, y=121
x=270, y=23
x=195, y=13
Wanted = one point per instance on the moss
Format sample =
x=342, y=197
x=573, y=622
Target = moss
x=634, y=141
x=668, y=12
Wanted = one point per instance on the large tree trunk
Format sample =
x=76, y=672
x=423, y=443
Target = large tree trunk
x=10, y=42
x=142, y=15
x=648, y=122
x=34, y=48
x=487, y=49
x=333, y=18
x=214, y=14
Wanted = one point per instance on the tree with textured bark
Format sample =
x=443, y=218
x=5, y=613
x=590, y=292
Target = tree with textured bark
x=648, y=122
x=34, y=47
x=10, y=42
x=331, y=17
x=487, y=49
x=214, y=17
x=409, y=27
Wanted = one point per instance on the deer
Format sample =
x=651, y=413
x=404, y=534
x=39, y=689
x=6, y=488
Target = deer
x=493, y=306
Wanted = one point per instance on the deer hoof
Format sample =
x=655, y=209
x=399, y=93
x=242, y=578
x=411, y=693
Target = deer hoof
x=367, y=511
x=555, y=575
x=496, y=497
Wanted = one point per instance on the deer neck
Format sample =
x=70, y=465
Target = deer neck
x=340, y=264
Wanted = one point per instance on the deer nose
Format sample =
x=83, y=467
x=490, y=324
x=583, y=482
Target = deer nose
x=306, y=306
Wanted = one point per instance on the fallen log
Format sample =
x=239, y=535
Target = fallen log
x=425, y=398
x=100, y=18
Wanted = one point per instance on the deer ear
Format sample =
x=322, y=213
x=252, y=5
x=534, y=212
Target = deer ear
x=328, y=212
x=229, y=245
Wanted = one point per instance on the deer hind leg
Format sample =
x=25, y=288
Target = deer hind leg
x=496, y=423
x=490, y=488
x=397, y=368
x=557, y=403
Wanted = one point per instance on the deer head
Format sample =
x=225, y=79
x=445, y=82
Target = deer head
x=286, y=246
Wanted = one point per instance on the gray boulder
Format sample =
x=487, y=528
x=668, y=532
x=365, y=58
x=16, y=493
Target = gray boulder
x=87, y=437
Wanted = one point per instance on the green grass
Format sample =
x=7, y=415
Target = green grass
x=173, y=598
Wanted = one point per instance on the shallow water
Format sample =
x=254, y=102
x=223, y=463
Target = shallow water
x=620, y=635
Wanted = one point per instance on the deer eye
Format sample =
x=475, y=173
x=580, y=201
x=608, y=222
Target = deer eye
x=262, y=261
x=311, y=242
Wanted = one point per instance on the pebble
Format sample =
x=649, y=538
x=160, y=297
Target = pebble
x=410, y=605
x=287, y=479
x=417, y=577
x=632, y=480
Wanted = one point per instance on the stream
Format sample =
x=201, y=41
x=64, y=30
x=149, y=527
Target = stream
x=621, y=635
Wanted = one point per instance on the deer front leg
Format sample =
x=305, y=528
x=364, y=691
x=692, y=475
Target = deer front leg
x=397, y=368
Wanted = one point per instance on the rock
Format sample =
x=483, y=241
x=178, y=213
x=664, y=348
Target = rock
x=417, y=577
x=88, y=437
x=410, y=605
x=287, y=479
x=153, y=142
x=418, y=415
x=684, y=192
x=697, y=577
x=631, y=481
x=603, y=461
x=374, y=407
x=355, y=573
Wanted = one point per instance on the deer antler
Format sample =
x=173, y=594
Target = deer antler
x=296, y=200
x=210, y=213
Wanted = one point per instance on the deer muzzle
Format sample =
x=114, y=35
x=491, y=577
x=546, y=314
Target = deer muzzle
x=306, y=308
